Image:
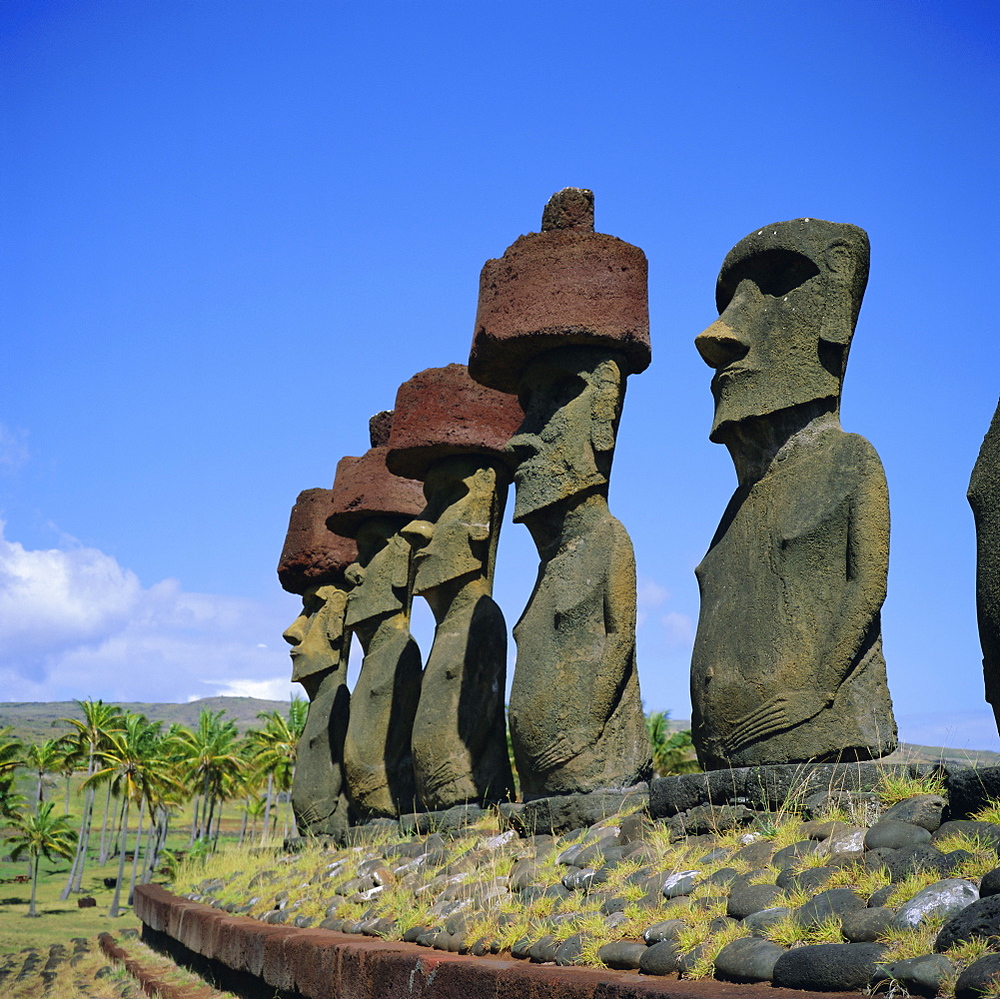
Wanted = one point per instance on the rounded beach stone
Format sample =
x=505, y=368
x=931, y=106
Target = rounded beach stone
x=834, y=902
x=828, y=967
x=937, y=901
x=441, y=412
x=570, y=951
x=895, y=835
x=866, y=925
x=623, y=955
x=661, y=958
x=753, y=898
x=987, y=832
x=990, y=883
x=925, y=810
x=978, y=977
x=758, y=922
x=679, y=883
x=922, y=976
x=749, y=959
x=666, y=929
x=980, y=920
x=787, y=857
x=809, y=880
x=543, y=951
x=910, y=860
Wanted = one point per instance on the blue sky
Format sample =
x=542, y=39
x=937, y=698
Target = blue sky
x=230, y=230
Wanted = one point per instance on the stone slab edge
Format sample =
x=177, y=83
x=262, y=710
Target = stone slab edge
x=775, y=786
x=321, y=964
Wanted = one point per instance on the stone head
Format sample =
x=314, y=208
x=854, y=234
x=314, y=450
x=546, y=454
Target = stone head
x=788, y=298
x=572, y=399
x=313, y=563
x=370, y=504
x=455, y=535
x=317, y=634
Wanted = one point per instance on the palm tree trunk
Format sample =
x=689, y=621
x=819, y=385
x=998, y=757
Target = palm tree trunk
x=115, y=902
x=267, y=809
x=151, y=840
x=135, y=854
x=69, y=778
x=103, y=857
x=243, y=827
x=76, y=871
x=38, y=795
x=194, y=823
x=34, y=886
x=218, y=826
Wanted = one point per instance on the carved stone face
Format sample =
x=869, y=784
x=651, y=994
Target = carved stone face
x=450, y=537
x=766, y=346
x=380, y=574
x=317, y=634
x=571, y=398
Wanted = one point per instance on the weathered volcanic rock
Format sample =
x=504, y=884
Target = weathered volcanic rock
x=895, y=835
x=313, y=555
x=978, y=978
x=866, y=925
x=834, y=902
x=622, y=954
x=564, y=286
x=972, y=788
x=979, y=920
x=753, y=898
x=828, y=967
x=922, y=976
x=925, y=810
x=749, y=959
x=661, y=958
x=441, y=412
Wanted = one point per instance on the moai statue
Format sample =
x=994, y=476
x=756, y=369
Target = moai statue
x=562, y=321
x=787, y=663
x=312, y=565
x=371, y=504
x=984, y=497
x=450, y=432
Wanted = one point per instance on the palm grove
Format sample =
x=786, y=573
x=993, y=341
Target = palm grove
x=135, y=777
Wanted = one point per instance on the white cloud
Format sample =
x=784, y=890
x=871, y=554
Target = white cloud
x=277, y=689
x=74, y=623
x=678, y=628
x=650, y=596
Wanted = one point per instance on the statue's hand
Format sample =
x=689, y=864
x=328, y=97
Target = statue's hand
x=558, y=752
x=775, y=715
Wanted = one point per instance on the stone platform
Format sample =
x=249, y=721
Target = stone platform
x=259, y=961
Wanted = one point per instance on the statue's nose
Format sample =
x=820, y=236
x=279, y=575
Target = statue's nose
x=720, y=345
x=418, y=532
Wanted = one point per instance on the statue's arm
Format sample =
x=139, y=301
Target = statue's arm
x=866, y=566
x=618, y=659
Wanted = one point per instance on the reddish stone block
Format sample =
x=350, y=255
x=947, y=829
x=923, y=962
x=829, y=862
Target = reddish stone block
x=556, y=288
x=441, y=412
x=364, y=487
x=313, y=555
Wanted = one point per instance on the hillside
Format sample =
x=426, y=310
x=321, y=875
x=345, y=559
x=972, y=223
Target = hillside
x=37, y=720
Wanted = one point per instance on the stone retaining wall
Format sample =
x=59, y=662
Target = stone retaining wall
x=254, y=959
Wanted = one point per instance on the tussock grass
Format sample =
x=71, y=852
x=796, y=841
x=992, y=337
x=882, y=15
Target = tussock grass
x=894, y=786
x=903, y=944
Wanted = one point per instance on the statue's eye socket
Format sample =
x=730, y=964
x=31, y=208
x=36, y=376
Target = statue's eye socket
x=775, y=272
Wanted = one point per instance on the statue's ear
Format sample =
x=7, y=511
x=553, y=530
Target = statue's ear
x=837, y=325
x=482, y=486
x=607, y=399
x=400, y=562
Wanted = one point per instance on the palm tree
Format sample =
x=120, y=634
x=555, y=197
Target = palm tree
x=673, y=753
x=131, y=764
x=42, y=758
x=37, y=834
x=11, y=758
x=88, y=737
x=209, y=759
x=274, y=749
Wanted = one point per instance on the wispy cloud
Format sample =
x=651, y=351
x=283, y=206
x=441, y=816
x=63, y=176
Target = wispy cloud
x=13, y=448
x=74, y=623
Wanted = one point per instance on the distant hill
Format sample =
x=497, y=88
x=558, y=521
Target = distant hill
x=38, y=720
x=35, y=721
